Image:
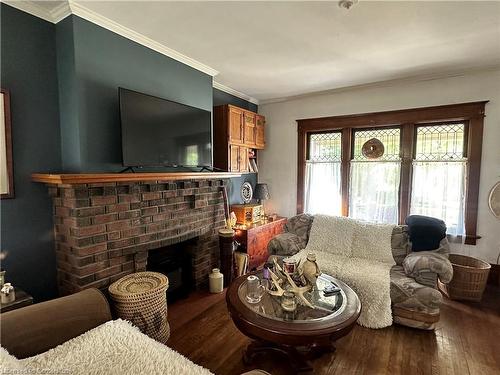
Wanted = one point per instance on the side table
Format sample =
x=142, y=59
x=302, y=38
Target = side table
x=141, y=299
x=255, y=237
x=22, y=299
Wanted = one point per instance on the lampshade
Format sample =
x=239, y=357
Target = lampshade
x=261, y=192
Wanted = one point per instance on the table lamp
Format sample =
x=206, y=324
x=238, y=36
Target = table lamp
x=261, y=193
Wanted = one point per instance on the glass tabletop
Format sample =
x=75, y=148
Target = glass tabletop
x=324, y=306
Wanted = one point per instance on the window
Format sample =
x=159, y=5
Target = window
x=430, y=166
x=374, y=183
x=323, y=180
x=439, y=170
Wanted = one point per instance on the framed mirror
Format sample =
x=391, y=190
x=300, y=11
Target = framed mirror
x=494, y=200
x=6, y=172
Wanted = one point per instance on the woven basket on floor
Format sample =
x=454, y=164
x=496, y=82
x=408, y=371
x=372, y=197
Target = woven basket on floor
x=469, y=278
x=141, y=298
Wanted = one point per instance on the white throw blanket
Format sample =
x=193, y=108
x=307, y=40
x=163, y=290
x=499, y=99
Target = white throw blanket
x=360, y=255
x=115, y=347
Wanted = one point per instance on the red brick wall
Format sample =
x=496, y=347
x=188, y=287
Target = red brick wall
x=104, y=231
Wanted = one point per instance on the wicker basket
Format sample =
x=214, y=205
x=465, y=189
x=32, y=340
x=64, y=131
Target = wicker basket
x=141, y=299
x=469, y=278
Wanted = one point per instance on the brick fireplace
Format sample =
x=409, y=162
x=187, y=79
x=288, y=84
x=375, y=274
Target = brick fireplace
x=104, y=230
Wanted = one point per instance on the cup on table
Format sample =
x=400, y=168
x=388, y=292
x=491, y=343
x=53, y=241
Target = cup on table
x=289, y=265
x=288, y=302
x=255, y=289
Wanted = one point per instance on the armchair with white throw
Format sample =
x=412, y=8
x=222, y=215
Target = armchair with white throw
x=393, y=283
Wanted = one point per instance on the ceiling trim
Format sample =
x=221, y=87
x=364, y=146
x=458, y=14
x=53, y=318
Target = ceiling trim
x=30, y=7
x=229, y=90
x=60, y=12
x=385, y=83
x=70, y=7
x=89, y=15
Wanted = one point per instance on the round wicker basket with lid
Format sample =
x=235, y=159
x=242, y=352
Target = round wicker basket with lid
x=141, y=298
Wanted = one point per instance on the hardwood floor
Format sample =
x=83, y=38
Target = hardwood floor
x=465, y=342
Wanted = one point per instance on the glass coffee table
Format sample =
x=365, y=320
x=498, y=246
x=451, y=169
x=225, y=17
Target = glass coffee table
x=300, y=335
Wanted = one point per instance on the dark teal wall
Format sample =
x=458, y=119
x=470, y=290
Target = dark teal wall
x=64, y=83
x=234, y=186
x=28, y=70
x=221, y=97
x=68, y=96
x=104, y=61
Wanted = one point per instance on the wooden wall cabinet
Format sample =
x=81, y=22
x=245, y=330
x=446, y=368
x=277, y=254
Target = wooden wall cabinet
x=250, y=131
x=238, y=159
x=236, y=131
x=260, y=122
x=235, y=125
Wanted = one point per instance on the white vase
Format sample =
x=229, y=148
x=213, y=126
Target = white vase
x=310, y=269
x=216, y=281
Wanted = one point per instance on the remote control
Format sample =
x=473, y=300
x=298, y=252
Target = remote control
x=331, y=290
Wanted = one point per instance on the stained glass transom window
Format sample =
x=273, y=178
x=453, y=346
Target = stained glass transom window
x=390, y=138
x=440, y=142
x=325, y=147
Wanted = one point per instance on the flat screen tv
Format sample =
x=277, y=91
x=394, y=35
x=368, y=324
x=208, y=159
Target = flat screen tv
x=160, y=132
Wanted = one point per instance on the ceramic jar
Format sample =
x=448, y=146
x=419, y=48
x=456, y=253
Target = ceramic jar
x=216, y=281
x=310, y=269
x=7, y=293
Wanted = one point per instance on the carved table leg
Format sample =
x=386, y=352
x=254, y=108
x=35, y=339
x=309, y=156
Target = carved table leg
x=316, y=351
x=290, y=354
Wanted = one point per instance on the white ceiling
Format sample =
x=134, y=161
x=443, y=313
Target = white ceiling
x=271, y=50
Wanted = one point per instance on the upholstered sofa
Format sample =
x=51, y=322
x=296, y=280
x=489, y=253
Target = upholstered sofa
x=76, y=335
x=415, y=298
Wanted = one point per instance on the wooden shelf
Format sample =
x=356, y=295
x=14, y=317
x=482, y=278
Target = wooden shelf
x=91, y=178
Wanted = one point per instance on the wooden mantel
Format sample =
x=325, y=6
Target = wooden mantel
x=90, y=178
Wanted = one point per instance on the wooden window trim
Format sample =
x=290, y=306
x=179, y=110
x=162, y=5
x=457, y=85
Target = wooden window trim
x=407, y=119
x=8, y=144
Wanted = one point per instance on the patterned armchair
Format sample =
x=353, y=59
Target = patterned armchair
x=414, y=294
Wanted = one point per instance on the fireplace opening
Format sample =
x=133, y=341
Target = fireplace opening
x=175, y=262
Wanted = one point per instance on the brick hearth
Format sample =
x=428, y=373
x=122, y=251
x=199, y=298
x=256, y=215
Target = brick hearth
x=103, y=231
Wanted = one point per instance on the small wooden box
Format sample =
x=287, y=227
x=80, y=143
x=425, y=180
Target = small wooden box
x=248, y=213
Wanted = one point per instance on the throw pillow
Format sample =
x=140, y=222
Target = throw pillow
x=425, y=232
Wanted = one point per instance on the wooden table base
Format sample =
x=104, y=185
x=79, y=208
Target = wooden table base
x=297, y=357
x=293, y=341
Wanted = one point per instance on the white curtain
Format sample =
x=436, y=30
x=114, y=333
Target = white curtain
x=374, y=191
x=323, y=188
x=438, y=190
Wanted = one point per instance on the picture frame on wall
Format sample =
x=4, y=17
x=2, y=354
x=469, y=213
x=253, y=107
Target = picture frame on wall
x=6, y=167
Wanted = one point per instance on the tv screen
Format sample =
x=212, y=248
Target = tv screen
x=159, y=132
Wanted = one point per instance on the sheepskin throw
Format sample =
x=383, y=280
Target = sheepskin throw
x=359, y=254
x=115, y=347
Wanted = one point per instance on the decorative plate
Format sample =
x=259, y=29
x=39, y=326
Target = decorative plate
x=246, y=192
x=494, y=200
x=373, y=149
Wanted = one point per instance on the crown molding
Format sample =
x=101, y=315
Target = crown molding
x=60, y=12
x=67, y=8
x=229, y=90
x=70, y=7
x=89, y=15
x=30, y=7
x=385, y=83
